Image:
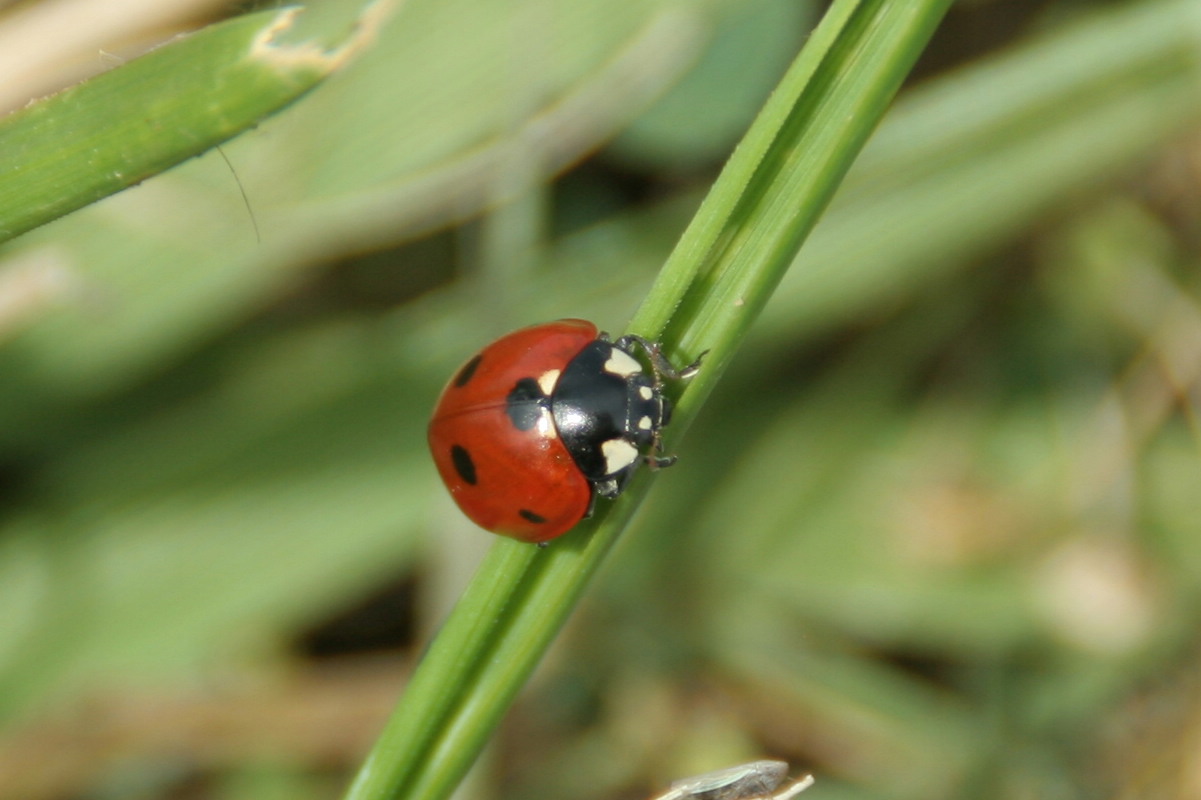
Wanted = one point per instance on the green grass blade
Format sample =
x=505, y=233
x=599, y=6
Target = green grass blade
x=721, y=274
x=771, y=194
x=156, y=111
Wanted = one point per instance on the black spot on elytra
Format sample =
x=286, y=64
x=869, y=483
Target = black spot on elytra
x=537, y=519
x=467, y=372
x=463, y=464
x=524, y=404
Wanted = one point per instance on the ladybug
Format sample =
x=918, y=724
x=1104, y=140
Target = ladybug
x=537, y=424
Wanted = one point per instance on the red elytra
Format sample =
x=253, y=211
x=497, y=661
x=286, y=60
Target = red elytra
x=519, y=483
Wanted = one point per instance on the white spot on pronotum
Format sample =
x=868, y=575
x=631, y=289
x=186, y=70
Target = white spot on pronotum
x=619, y=454
x=547, y=381
x=622, y=364
x=644, y=424
x=645, y=392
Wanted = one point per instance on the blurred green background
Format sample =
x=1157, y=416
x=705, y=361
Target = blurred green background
x=935, y=537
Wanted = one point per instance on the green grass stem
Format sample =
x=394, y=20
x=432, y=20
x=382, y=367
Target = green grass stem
x=721, y=274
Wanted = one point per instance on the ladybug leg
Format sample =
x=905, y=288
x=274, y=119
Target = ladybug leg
x=591, y=506
x=609, y=488
x=659, y=362
x=656, y=460
x=660, y=462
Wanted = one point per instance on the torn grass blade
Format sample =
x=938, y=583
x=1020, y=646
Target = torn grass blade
x=72, y=148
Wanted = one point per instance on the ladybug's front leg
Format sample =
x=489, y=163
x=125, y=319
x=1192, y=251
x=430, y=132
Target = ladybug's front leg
x=610, y=488
x=659, y=362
